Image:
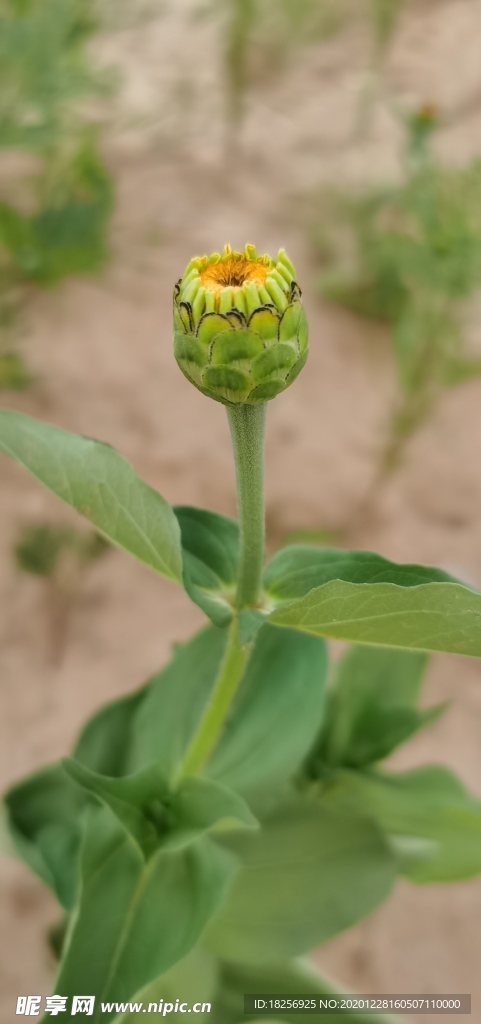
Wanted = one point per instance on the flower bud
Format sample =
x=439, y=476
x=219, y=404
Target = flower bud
x=240, y=331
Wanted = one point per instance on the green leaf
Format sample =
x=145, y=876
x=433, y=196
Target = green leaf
x=104, y=741
x=273, y=721
x=155, y=817
x=44, y=811
x=290, y=978
x=95, y=480
x=434, y=822
x=201, y=804
x=361, y=597
x=310, y=873
x=296, y=570
x=371, y=706
x=44, y=818
x=276, y=715
x=210, y=549
x=136, y=920
x=191, y=980
x=174, y=701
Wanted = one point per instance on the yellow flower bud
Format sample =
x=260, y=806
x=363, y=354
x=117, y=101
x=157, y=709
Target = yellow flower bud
x=240, y=331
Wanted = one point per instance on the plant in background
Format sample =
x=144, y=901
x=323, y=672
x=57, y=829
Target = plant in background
x=257, y=39
x=54, y=222
x=384, y=16
x=59, y=555
x=231, y=814
x=260, y=39
x=410, y=256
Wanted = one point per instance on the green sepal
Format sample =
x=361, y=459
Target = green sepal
x=230, y=385
x=296, y=369
x=263, y=392
x=302, y=335
x=265, y=321
x=212, y=324
x=179, y=321
x=238, y=349
x=275, y=362
x=290, y=322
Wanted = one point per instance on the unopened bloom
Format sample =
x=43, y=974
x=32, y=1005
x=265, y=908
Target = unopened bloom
x=240, y=331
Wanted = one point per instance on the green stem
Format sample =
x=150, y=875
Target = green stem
x=214, y=715
x=247, y=430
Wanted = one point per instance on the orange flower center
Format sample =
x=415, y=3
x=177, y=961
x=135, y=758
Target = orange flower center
x=233, y=273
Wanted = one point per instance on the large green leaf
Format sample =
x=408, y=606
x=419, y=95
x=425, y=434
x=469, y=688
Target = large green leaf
x=308, y=874
x=273, y=721
x=371, y=706
x=291, y=978
x=104, y=742
x=296, y=570
x=155, y=816
x=96, y=481
x=435, y=823
x=192, y=980
x=44, y=811
x=174, y=701
x=210, y=545
x=366, y=599
x=276, y=715
x=44, y=818
x=136, y=920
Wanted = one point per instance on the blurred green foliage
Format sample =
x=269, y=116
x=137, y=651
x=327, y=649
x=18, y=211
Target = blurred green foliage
x=53, y=221
x=44, y=70
x=409, y=255
x=40, y=547
x=66, y=232
x=384, y=16
x=261, y=37
x=14, y=375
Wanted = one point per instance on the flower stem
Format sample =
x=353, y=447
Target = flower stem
x=247, y=431
x=225, y=686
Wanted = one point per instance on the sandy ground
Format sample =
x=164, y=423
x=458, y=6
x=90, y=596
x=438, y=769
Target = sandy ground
x=101, y=350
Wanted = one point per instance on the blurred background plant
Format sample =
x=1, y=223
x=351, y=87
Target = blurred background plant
x=53, y=219
x=262, y=39
x=61, y=556
x=384, y=15
x=409, y=256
